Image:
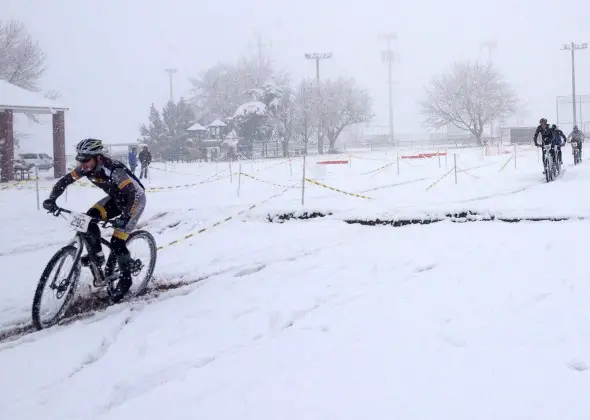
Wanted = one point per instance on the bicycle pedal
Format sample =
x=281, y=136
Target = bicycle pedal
x=136, y=266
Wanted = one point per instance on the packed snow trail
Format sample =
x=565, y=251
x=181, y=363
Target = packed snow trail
x=466, y=321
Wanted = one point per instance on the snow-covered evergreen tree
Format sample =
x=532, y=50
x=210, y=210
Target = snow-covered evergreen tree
x=153, y=134
x=221, y=89
x=165, y=132
x=178, y=117
x=252, y=123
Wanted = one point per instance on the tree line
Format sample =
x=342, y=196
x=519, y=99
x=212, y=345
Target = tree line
x=261, y=103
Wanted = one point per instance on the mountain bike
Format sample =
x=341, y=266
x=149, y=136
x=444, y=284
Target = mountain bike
x=63, y=283
x=549, y=162
x=576, y=152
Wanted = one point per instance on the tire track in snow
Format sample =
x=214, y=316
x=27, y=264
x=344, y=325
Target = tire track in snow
x=105, y=345
x=123, y=392
x=89, y=307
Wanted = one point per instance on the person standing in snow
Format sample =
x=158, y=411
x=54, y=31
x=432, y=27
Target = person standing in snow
x=132, y=157
x=145, y=158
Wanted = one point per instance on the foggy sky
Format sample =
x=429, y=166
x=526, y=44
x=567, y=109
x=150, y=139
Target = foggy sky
x=107, y=57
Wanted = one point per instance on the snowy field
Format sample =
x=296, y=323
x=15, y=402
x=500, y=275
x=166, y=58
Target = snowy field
x=318, y=318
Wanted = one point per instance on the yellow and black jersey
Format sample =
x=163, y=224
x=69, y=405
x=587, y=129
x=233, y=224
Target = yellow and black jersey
x=112, y=177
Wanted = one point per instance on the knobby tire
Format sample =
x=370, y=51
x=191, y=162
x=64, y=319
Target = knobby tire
x=74, y=277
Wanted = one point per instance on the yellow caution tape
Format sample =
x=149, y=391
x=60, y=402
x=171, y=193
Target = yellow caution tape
x=17, y=184
x=466, y=172
x=227, y=219
x=440, y=179
x=337, y=190
x=268, y=182
x=506, y=164
x=380, y=169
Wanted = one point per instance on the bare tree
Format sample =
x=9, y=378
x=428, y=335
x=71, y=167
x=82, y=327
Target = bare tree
x=470, y=96
x=221, y=89
x=343, y=104
x=305, y=115
x=22, y=62
x=285, y=113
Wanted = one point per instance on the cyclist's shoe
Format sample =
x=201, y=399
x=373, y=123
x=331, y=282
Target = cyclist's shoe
x=99, y=259
x=126, y=264
x=122, y=287
x=111, y=271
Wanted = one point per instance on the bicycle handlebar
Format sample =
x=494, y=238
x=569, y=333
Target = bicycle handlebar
x=60, y=210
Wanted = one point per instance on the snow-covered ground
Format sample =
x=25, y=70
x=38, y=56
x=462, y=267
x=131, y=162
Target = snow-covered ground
x=319, y=318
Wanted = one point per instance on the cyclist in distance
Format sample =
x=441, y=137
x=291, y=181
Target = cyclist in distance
x=546, y=136
x=558, y=136
x=577, y=136
x=125, y=198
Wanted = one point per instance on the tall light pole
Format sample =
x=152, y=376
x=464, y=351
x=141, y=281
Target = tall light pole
x=317, y=57
x=388, y=56
x=170, y=72
x=491, y=46
x=572, y=46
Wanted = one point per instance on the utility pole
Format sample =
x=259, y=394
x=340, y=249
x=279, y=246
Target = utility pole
x=491, y=46
x=572, y=46
x=170, y=72
x=388, y=56
x=263, y=50
x=317, y=57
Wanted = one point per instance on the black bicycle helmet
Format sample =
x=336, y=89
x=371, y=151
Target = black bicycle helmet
x=89, y=147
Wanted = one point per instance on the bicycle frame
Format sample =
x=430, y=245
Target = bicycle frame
x=576, y=152
x=549, y=157
x=549, y=161
x=80, y=243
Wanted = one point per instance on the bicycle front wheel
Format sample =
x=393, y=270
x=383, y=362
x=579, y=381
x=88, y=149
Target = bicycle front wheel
x=61, y=275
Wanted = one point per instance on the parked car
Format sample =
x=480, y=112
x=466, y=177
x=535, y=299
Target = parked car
x=21, y=165
x=40, y=160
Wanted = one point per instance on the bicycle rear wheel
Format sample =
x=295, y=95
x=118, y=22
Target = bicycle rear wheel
x=143, y=250
x=62, y=282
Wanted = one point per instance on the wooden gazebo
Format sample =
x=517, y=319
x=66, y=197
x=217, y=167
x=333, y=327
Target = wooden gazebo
x=14, y=99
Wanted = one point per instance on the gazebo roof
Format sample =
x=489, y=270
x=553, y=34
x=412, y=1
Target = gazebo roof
x=21, y=100
x=218, y=123
x=196, y=127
